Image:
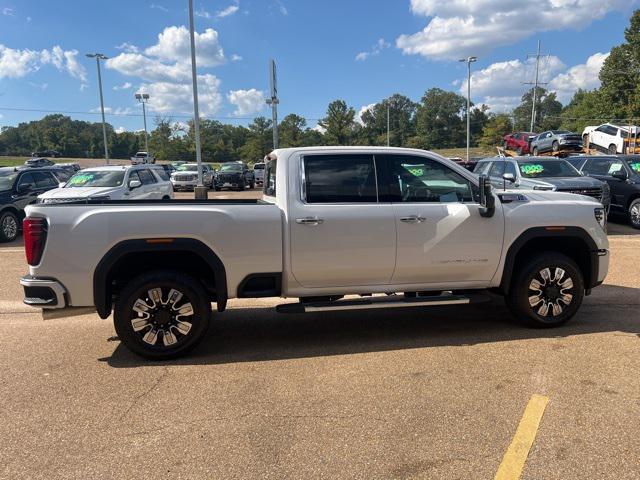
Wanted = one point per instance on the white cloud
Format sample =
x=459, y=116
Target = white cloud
x=584, y=76
x=247, y=102
x=9, y=12
x=457, y=28
x=500, y=85
x=83, y=87
x=138, y=65
x=283, y=10
x=168, y=97
x=124, y=86
x=158, y=7
x=230, y=10
x=113, y=111
x=363, y=109
x=380, y=45
x=174, y=46
x=39, y=86
x=320, y=129
x=20, y=63
x=128, y=47
x=120, y=130
x=202, y=13
x=235, y=58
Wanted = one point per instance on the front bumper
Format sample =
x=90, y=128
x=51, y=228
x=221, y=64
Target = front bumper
x=184, y=184
x=43, y=292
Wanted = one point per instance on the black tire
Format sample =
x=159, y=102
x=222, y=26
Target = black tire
x=555, y=146
x=166, y=197
x=563, y=283
x=612, y=150
x=535, y=151
x=9, y=227
x=242, y=186
x=252, y=185
x=147, y=338
x=634, y=213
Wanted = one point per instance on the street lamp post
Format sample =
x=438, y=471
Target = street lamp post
x=200, y=191
x=469, y=61
x=143, y=98
x=98, y=57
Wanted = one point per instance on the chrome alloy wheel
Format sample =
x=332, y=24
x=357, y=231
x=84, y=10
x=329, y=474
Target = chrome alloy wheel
x=9, y=227
x=158, y=320
x=550, y=293
x=635, y=214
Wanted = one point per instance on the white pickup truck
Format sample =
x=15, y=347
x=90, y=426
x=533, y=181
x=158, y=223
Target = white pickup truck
x=386, y=227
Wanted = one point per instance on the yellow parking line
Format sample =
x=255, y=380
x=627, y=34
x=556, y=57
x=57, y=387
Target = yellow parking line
x=516, y=456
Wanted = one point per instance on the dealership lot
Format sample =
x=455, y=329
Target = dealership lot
x=414, y=394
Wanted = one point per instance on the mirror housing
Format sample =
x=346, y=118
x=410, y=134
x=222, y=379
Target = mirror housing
x=487, y=200
x=23, y=188
x=620, y=175
x=509, y=177
x=62, y=184
x=134, y=184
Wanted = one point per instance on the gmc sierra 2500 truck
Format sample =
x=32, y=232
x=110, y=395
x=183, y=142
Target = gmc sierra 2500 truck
x=333, y=222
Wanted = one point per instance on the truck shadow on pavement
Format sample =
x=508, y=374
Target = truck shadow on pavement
x=260, y=334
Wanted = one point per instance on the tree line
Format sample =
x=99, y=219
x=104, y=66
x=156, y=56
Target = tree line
x=436, y=121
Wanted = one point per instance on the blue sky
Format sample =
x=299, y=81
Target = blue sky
x=359, y=50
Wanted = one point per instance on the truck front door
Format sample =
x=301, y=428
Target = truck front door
x=340, y=234
x=442, y=239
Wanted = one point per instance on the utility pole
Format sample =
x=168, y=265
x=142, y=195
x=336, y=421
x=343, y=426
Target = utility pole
x=273, y=101
x=200, y=191
x=144, y=98
x=535, y=84
x=98, y=57
x=469, y=61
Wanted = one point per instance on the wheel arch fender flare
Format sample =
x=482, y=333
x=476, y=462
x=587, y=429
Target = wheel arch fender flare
x=549, y=233
x=102, y=290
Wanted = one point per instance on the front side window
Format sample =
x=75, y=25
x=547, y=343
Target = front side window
x=420, y=179
x=26, y=180
x=340, y=179
x=509, y=167
x=602, y=166
x=45, y=180
x=497, y=169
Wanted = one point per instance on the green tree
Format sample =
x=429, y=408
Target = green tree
x=339, y=123
x=401, y=122
x=548, y=110
x=259, y=140
x=495, y=128
x=440, y=120
x=291, y=131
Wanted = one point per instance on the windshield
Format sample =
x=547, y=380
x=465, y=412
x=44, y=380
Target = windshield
x=7, y=178
x=187, y=168
x=633, y=165
x=548, y=168
x=231, y=167
x=105, y=178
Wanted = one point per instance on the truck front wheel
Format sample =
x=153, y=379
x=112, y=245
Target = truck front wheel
x=162, y=314
x=547, y=291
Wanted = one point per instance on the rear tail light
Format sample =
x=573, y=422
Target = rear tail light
x=35, y=236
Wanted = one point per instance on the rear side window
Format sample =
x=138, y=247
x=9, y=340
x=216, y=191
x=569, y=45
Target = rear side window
x=162, y=173
x=270, y=178
x=146, y=177
x=340, y=179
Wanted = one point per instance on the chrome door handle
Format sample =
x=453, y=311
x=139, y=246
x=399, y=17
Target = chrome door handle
x=413, y=219
x=309, y=221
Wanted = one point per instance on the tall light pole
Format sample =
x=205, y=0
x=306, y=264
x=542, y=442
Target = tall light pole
x=144, y=98
x=200, y=191
x=469, y=61
x=98, y=57
x=273, y=101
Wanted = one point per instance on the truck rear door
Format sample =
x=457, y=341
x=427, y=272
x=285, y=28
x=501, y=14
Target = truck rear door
x=340, y=233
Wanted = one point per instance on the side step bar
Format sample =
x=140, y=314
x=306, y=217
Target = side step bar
x=395, y=301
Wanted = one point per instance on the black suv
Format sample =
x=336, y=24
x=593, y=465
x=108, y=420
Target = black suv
x=46, y=153
x=234, y=175
x=20, y=187
x=622, y=173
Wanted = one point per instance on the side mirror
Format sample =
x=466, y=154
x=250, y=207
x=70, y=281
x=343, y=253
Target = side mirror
x=62, y=184
x=25, y=187
x=134, y=184
x=620, y=175
x=487, y=200
x=509, y=177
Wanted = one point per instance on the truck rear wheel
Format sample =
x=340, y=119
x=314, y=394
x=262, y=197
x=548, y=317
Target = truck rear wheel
x=162, y=314
x=547, y=291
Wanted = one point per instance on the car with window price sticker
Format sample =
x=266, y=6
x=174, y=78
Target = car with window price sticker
x=338, y=228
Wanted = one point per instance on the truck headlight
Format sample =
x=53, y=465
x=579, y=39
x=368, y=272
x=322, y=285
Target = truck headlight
x=601, y=217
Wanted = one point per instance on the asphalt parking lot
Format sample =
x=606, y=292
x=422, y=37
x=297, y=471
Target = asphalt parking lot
x=436, y=393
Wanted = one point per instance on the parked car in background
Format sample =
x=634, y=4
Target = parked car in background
x=519, y=142
x=609, y=138
x=46, y=153
x=70, y=168
x=20, y=187
x=135, y=182
x=168, y=169
x=39, y=162
x=177, y=164
x=142, y=157
x=234, y=175
x=556, y=141
x=550, y=174
x=186, y=176
x=258, y=173
x=470, y=165
x=622, y=174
